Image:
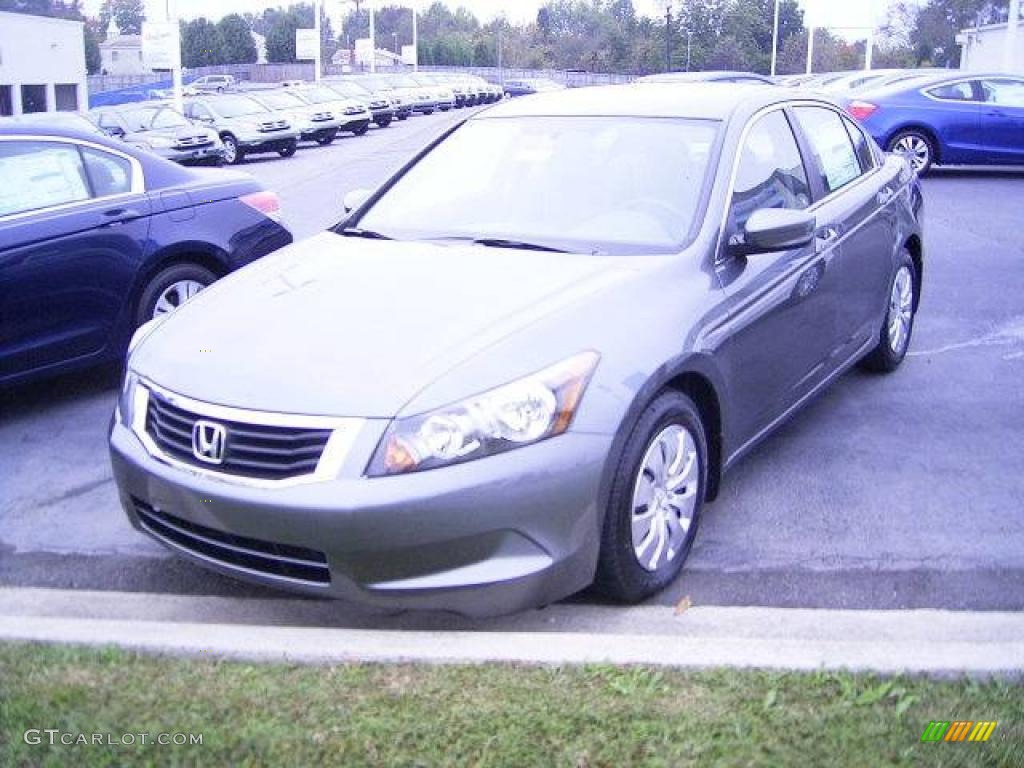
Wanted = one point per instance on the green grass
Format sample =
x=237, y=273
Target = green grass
x=491, y=715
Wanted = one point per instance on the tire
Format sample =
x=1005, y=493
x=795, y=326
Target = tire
x=898, y=328
x=288, y=149
x=361, y=131
x=918, y=145
x=165, y=283
x=233, y=154
x=327, y=138
x=403, y=117
x=620, y=573
x=384, y=123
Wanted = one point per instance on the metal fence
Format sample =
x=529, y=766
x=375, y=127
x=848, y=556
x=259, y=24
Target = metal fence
x=275, y=73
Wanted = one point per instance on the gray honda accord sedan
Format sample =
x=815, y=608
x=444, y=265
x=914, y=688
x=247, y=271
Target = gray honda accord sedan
x=523, y=365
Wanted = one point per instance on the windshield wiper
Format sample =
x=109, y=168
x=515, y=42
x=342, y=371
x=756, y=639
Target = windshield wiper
x=369, y=234
x=500, y=242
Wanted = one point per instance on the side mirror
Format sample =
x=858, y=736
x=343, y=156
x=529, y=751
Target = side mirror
x=776, y=229
x=114, y=130
x=355, y=199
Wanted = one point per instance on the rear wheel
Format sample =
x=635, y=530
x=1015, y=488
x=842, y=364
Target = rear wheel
x=894, y=338
x=655, y=501
x=917, y=146
x=171, y=287
x=288, y=149
x=384, y=122
x=361, y=131
x=326, y=138
x=233, y=153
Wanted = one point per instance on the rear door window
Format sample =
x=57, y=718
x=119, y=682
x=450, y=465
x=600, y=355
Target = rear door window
x=1003, y=92
x=830, y=142
x=38, y=175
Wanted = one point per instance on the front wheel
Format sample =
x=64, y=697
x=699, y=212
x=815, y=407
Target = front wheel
x=917, y=147
x=169, y=288
x=894, y=338
x=233, y=153
x=655, y=501
x=361, y=131
x=288, y=149
x=326, y=138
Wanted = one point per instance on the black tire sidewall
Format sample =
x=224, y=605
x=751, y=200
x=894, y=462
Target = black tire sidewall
x=163, y=280
x=619, y=575
x=289, y=149
x=882, y=359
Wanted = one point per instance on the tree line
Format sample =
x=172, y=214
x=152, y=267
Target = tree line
x=592, y=35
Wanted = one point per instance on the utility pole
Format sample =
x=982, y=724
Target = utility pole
x=415, y=43
x=810, y=50
x=668, y=37
x=317, y=67
x=775, y=37
x=1010, y=41
x=373, y=40
x=171, y=10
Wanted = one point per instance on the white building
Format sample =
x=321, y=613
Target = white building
x=42, y=64
x=982, y=49
x=122, y=55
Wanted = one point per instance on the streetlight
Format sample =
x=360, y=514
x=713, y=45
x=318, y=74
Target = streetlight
x=668, y=36
x=775, y=37
x=395, y=36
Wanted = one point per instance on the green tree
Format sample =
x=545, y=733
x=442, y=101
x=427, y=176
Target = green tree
x=127, y=14
x=93, y=35
x=201, y=43
x=237, y=45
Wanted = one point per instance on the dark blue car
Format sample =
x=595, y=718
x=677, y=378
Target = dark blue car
x=951, y=119
x=97, y=237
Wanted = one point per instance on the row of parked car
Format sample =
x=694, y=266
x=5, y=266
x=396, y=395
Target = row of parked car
x=932, y=116
x=224, y=121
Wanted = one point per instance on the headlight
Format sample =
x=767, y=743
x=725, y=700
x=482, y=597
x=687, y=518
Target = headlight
x=526, y=411
x=125, y=411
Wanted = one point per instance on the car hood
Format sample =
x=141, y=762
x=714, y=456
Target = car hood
x=351, y=327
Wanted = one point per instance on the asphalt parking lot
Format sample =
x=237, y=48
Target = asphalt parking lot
x=903, y=491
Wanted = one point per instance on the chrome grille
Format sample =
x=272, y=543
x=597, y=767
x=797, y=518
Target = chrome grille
x=251, y=450
x=194, y=141
x=273, y=125
x=321, y=117
x=265, y=557
x=353, y=110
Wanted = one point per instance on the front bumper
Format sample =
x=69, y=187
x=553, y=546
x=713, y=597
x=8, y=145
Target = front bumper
x=488, y=537
x=316, y=129
x=193, y=155
x=271, y=141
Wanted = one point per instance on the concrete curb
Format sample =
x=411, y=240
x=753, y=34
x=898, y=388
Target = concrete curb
x=941, y=643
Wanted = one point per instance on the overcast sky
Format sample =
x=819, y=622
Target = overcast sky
x=833, y=13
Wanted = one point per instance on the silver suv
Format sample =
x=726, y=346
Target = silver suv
x=244, y=125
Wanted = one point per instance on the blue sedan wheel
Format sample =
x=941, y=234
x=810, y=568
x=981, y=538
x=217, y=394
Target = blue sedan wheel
x=916, y=147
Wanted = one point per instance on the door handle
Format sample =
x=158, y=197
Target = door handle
x=114, y=216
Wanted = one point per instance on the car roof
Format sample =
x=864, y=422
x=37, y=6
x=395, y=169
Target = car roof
x=702, y=100
x=15, y=127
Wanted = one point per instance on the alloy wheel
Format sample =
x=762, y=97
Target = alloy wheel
x=665, y=497
x=901, y=309
x=176, y=294
x=916, y=149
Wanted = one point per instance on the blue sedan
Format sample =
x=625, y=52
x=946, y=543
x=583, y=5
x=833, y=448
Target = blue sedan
x=98, y=237
x=952, y=119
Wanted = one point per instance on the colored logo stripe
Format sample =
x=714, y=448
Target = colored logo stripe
x=982, y=731
x=958, y=730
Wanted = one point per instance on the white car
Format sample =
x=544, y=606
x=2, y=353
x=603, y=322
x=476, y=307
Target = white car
x=217, y=83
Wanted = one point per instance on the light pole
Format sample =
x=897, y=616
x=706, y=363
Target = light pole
x=415, y=43
x=317, y=66
x=1010, y=41
x=373, y=40
x=668, y=37
x=394, y=35
x=810, y=49
x=775, y=37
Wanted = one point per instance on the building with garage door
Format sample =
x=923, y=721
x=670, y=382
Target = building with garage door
x=42, y=64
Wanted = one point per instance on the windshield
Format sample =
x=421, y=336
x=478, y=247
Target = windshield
x=320, y=95
x=146, y=119
x=279, y=99
x=584, y=184
x=237, y=106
